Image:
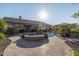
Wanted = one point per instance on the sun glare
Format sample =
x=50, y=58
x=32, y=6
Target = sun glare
x=43, y=15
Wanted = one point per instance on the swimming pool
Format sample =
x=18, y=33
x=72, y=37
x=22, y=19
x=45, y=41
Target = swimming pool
x=50, y=34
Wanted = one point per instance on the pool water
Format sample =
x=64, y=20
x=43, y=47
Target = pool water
x=50, y=34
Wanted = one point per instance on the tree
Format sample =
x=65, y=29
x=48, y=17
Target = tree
x=3, y=25
x=77, y=29
x=65, y=31
x=3, y=28
x=76, y=15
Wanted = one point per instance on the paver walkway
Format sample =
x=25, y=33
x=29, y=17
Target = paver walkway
x=52, y=47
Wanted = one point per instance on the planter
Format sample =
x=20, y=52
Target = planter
x=3, y=44
x=74, y=41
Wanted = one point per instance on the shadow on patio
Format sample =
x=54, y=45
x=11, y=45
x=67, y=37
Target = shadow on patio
x=30, y=44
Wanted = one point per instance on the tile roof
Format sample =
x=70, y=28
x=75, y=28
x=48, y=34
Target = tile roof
x=23, y=21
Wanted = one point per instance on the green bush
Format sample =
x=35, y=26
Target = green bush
x=76, y=53
x=3, y=25
x=2, y=36
x=77, y=29
x=65, y=31
x=11, y=31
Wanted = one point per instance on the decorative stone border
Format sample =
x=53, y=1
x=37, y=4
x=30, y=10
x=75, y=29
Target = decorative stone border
x=3, y=44
x=72, y=40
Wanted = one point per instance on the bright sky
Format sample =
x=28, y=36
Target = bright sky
x=58, y=13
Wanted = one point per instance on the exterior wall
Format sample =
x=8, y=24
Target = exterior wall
x=25, y=24
x=27, y=28
x=46, y=27
x=20, y=26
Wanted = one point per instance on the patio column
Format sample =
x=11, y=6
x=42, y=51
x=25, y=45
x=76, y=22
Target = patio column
x=28, y=28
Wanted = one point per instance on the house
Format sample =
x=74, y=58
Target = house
x=27, y=25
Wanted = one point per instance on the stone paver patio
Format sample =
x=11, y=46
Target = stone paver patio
x=52, y=47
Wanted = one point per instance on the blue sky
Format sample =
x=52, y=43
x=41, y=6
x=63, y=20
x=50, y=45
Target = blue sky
x=58, y=13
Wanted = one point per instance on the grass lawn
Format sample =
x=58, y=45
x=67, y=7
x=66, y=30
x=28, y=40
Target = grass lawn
x=76, y=53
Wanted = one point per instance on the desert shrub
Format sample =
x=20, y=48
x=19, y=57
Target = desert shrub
x=3, y=25
x=76, y=53
x=2, y=36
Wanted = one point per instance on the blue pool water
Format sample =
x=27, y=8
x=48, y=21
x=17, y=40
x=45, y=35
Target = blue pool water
x=50, y=34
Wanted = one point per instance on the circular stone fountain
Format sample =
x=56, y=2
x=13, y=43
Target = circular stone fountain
x=33, y=37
